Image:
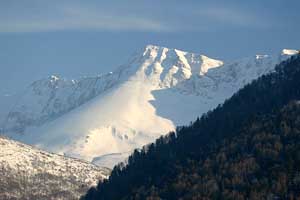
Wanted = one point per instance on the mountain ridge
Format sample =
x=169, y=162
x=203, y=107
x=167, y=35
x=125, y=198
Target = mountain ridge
x=121, y=108
x=30, y=173
x=246, y=148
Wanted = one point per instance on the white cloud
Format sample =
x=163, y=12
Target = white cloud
x=78, y=18
x=137, y=16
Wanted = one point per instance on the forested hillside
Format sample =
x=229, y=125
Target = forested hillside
x=247, y=148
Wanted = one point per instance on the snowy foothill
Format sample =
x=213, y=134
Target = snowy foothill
x=30, y=173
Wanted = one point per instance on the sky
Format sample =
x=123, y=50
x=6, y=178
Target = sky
x=75, y=38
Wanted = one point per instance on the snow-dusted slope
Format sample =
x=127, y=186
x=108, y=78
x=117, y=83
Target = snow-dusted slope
x=50, y=98
x=29, y=173
x=103, y=118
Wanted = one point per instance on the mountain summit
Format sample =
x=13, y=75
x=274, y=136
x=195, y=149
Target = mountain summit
x=246, y=148
x=103, y=118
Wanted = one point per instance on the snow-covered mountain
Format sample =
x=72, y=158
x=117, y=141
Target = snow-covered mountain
x=29, y=173
x=103, y=118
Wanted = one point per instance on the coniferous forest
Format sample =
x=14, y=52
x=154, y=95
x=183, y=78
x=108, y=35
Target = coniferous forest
x=247, y=148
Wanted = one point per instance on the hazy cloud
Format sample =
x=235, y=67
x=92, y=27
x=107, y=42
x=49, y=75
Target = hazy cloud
x=39, y=16
x=74, y=17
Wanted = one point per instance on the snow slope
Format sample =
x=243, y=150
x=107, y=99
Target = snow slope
x=42, y=174
x=103, y=118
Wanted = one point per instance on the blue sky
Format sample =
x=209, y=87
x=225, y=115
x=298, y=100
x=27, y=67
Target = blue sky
x=77, y=38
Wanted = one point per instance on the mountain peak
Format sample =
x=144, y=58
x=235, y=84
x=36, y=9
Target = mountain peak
x=186, y=63
x=289, y=52
x=152, y=50
x=154, y=47
x=53, y=78
x=161, y=48
x=80, y=118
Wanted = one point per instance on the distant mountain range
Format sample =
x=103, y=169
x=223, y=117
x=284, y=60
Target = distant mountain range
x=104, y=118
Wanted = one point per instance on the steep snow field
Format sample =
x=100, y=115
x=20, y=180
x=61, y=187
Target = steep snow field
x=103, y=118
